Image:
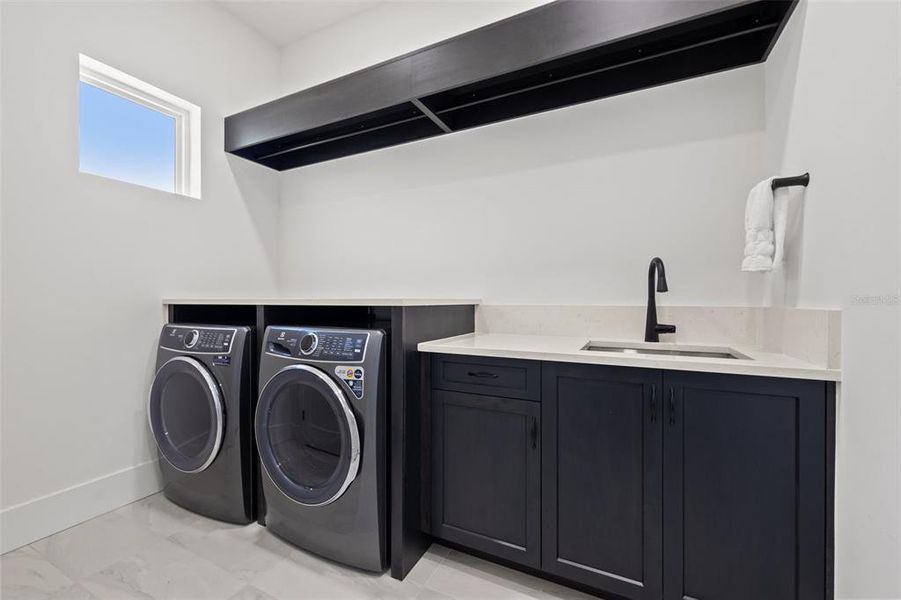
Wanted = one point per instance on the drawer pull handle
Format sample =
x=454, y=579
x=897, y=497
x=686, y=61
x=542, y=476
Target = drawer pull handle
x=534, y=433
x=482, y=374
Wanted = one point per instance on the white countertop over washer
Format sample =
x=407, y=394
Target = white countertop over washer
x=324, y=301
x=569, y=349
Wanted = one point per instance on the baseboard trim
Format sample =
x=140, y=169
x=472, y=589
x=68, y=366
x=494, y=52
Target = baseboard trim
x=35, y=519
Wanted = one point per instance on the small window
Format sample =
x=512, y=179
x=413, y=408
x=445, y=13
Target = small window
x=134, y=132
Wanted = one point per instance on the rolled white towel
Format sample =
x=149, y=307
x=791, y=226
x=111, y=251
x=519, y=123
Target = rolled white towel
x=760, y=234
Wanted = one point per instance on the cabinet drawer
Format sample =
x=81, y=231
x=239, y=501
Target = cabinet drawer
x=505, y=377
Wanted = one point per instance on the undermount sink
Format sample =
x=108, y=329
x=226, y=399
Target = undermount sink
x=693, y=351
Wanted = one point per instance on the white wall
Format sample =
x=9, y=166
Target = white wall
x=832, y=107
x=1, y=255
x=567, y=206
x=387, y=30
x=86, y=260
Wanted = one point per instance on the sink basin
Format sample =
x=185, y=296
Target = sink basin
x=688, y=351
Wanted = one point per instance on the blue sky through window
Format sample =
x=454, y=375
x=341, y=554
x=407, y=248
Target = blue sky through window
x=125, y=140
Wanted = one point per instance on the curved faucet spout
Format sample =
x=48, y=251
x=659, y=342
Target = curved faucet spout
x=657, y=263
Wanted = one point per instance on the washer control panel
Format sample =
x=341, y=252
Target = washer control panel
x=317, y=344
x=213, y=340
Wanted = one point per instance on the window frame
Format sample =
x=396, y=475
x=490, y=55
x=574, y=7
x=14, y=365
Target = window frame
x=185, y=114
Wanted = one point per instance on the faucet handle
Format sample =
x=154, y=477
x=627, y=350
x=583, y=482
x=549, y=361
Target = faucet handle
x=661, y=328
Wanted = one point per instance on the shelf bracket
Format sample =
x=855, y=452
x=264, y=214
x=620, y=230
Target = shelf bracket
x=435, y=119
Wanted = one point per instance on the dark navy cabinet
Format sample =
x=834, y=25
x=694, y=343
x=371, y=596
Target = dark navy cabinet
x=637, y=483
x=486, y=477
x=601, y=468
x=744, y=488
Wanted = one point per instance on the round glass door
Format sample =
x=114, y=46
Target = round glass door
x=307, y=435
x=185, y=413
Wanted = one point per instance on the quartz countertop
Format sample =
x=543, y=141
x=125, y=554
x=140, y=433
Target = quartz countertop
x=569, y=349
x=325, y=301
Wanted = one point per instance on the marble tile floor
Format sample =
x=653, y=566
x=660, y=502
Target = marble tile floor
x=153, y=549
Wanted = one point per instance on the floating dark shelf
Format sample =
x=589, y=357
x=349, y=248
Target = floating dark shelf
x=557, y=55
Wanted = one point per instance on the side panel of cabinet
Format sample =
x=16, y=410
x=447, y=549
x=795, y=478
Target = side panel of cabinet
x=601, y=477
x=745, y=483
x=486, y=474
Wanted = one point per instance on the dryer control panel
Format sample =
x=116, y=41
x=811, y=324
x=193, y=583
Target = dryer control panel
x=330, y=345
x=187, y=338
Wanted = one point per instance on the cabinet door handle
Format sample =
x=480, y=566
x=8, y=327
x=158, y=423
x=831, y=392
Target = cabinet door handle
x=653, y=403
x=534, y=433
x=672, y=406
x=482, y=374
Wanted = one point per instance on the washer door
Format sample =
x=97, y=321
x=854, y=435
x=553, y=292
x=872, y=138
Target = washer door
x=186, y=415
x=307, y=435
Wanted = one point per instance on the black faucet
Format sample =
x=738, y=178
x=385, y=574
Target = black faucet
x=652, y=328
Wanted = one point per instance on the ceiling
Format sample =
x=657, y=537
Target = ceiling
x=286, y=21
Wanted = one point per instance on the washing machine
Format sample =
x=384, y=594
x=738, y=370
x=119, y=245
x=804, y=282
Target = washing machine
x=320, y=433
x=200, y=410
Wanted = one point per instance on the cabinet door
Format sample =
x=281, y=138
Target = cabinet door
x=486, y=468
x=744, y=482
x=601, y=473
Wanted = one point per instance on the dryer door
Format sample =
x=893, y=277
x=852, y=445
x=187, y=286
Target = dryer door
x=186, y=415
x=307, y=435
